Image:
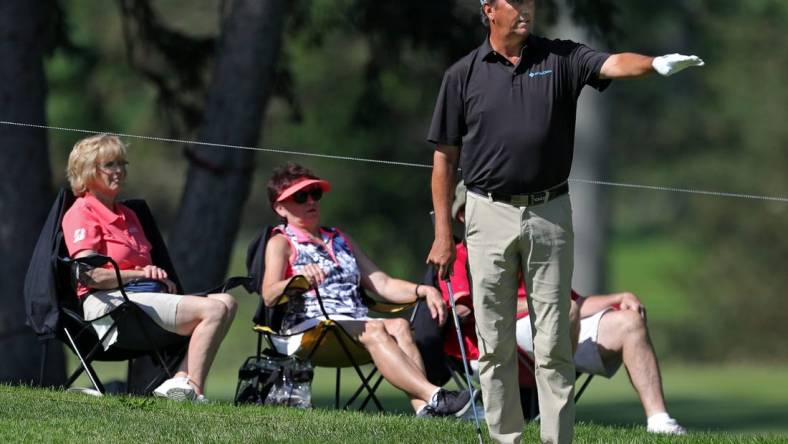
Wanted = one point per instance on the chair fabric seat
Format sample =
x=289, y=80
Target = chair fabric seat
x=321, y=346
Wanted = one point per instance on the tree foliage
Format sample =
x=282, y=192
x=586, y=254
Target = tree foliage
x=359, y=78
x=719, y=129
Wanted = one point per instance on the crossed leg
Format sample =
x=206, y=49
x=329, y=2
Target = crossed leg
x=623, y=335
x=390, y=344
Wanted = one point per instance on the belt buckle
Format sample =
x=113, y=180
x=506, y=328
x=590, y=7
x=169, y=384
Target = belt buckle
x=519, y=200
x=540, y=198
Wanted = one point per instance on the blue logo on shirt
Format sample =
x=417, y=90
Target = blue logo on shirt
x=540, y=73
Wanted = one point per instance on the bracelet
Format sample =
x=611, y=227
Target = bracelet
x=417, y=291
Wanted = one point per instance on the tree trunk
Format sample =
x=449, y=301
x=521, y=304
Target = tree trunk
x=219, y=179
x=25, y=186
x=591, y=161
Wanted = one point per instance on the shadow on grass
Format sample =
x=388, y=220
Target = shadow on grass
x=394, y=403
x=695, y=414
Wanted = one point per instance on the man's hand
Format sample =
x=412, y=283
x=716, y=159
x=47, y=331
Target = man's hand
x=435, y=303
x=442, y=256
x=630, y=302
x=670, y=64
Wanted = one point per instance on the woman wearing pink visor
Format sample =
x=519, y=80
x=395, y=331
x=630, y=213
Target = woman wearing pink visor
x=339, y=268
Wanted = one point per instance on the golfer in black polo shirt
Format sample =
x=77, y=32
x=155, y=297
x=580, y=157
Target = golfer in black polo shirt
x=506, y=111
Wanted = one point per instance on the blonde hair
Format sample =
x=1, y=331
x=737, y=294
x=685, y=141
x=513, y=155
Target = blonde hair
x=86, y=156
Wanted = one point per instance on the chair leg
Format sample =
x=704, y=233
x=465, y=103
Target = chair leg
x=577, y=395
x=44, y=350
x=458, y=380
x=137, y=312
x=375, y=388
x=169, y=369
x=359, y=372
x=336, y=389
x=361, y=388
x=583, y=387
x=85, y=364
x=129, y=374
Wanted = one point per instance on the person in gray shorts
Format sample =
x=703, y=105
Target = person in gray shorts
x=611, y=329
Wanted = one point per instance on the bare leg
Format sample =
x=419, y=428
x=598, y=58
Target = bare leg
x=624, y=333
x=400, y=329
x=207, y=321
x=394, y=364
x=574, y=324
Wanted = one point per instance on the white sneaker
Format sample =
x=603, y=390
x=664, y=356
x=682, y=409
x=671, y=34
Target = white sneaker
x=176, y=389
x=201, y=399
x=666, y=427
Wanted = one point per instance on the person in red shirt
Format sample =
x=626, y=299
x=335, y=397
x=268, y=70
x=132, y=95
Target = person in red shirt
x=97, y=224
x=607, y=330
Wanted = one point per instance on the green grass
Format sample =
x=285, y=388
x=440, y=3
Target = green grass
x=734, y=403
x=35, y=415
x=735, y=398
x=741, y=399
x=652, y=268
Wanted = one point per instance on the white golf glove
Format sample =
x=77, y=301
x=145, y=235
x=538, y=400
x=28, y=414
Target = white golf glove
x=670, y=64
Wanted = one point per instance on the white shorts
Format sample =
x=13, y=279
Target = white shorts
x=587, y=358
x=160, y=307
x=288, y=345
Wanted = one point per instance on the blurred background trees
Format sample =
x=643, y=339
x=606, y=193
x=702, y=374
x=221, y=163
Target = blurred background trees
x=358, y=78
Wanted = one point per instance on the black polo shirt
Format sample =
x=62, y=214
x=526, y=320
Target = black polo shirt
x=515, y=125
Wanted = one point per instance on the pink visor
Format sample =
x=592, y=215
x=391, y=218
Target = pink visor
x=298, y=186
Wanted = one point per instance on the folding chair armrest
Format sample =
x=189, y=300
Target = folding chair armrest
x=229, y=284
x=297, y=286
x=73, y=315
x=94, y=261
x=385, y=307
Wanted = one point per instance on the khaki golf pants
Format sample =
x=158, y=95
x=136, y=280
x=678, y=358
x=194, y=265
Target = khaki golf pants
x=503, y=241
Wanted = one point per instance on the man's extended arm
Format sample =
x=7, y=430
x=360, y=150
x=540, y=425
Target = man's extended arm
x=628, y=64
x=443, y=176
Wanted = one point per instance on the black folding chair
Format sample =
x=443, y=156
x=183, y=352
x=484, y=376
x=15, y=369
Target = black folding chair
x=54, y=312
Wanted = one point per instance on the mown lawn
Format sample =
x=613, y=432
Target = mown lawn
x=735, y=399
x=35, y=415
x=747, y=398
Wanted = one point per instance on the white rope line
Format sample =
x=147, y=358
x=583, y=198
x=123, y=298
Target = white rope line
x=218, y=145
x=390, y=162
x=682, y=190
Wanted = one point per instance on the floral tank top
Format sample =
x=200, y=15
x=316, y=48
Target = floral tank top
x=340, y=291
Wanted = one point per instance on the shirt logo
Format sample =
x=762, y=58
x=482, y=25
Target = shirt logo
x=79, y=234
x=540, y=73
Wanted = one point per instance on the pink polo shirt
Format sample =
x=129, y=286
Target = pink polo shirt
x=89, y=225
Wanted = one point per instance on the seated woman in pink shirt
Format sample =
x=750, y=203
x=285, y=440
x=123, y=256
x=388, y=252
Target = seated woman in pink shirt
x=97, y=224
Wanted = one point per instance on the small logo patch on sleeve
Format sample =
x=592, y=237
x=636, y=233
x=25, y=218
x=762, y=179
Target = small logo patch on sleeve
x=79, y=235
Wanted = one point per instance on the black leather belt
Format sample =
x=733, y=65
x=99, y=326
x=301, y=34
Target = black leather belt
x=525, y=200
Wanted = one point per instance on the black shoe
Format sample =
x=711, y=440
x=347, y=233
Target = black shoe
x=447, y=403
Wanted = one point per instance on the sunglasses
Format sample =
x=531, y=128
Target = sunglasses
x=301, y=197
x=114, y=165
